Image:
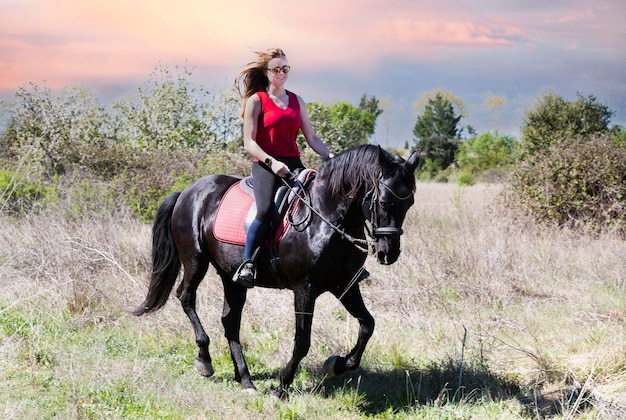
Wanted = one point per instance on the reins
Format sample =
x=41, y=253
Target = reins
x=298, y=189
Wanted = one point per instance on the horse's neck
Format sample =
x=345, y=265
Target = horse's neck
x=343, y=212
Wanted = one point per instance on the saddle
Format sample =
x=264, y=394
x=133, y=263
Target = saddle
x=237, y=210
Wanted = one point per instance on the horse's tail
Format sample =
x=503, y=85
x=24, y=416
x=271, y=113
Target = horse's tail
x=165, y=260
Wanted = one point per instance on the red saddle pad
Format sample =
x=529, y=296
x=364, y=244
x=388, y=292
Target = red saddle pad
x=230, y=221
x=237, y=210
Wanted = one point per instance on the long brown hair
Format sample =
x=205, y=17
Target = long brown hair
x=253, y=78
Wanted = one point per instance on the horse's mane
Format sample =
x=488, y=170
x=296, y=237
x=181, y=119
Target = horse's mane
x=358, y=168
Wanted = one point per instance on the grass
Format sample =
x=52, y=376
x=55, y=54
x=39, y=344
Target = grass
x=482, y=317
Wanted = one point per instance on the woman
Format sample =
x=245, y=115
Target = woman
x=272, y=118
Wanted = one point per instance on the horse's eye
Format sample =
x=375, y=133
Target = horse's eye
x=386, y=205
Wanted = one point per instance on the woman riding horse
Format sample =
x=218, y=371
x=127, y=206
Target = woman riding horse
x=357, y=202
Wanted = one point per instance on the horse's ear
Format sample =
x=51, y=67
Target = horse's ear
x=414, y=160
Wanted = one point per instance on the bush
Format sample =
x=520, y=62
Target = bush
x=20, y=196
x=487, y=151
x=152, y=175
x=579, y=183
x=465, y=178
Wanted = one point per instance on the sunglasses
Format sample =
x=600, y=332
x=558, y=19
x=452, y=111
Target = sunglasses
x=284, y=69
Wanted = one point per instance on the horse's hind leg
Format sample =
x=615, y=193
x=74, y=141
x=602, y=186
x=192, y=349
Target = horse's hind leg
x=195, y=270
x=234, y=299
x=353, y=302
x=304, y=305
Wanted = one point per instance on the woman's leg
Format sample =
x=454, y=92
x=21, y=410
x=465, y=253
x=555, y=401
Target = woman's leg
x=265, y=185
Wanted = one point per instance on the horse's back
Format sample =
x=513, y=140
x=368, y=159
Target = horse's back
x=208, y=187
x=198, y=203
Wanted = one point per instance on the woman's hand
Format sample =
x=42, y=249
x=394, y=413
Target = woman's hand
x=279, y=168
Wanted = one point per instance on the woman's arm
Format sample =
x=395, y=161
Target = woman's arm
x=309, y=133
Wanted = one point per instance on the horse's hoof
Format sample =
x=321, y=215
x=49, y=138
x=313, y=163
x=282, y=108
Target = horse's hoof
x=280, y=394
x=204, y=368
x=329, y=366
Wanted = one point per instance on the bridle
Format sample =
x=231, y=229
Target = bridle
x=375, y=232
x=378, y=232
x=364, y=245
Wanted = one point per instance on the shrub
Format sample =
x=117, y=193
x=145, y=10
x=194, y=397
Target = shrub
x=20, y=196
x=152, y=175
x=577, y=183
x=487, y=151
x=465, y=178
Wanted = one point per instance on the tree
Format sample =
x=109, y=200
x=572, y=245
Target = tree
x=495, y=105
x=342, y=125
x=50, y=127
x=225, y=122
x=554, y=119
x=166, y=113
x=486, y=151
x=436, y=131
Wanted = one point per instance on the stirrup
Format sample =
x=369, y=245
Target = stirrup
x=245, y=274
x=363, y=275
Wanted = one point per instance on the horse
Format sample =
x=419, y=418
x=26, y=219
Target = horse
x=355, y=204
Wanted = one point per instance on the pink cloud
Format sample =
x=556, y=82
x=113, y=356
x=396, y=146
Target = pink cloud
x=445, y=32
x=574, y=17
x=69, y=40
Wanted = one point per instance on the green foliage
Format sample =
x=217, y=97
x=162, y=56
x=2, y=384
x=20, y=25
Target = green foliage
x=487, y=151
x=485, y=157
x=167, y=113
x=225, y=123
x=153, y=175
x=46, y=127
x=20, y=196
x=618, y=135
x=439, y=149
x=555, y=119
x=144, y=146
x=572, y=168
x=439, y=119
x=436, y=131
x=578, y=182
x=465, y=178
x=342, y=125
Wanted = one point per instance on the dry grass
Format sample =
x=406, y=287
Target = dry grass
x=532, y=317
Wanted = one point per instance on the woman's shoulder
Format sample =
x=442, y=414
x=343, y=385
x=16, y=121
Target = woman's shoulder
x=298, y=98
x=256, y=98
x=253, y=103
x=295, y=95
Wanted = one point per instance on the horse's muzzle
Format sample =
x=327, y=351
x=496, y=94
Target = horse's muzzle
x=387, y=245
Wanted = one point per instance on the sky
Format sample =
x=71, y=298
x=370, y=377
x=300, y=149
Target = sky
x=339, y=50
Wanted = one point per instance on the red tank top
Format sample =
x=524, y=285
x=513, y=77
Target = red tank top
x=277, y=128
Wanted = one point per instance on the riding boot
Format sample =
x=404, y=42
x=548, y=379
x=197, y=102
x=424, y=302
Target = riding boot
x=246, y=273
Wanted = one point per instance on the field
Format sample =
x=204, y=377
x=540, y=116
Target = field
x=482, y=317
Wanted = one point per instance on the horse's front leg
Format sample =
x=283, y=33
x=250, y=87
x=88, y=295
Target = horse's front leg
x=304, y=307
x=353, y=302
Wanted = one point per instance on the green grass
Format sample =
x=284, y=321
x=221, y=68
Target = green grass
x=481, y=318
x=59, y=365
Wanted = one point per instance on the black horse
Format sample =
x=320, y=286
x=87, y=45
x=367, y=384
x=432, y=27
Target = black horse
x=364, y=189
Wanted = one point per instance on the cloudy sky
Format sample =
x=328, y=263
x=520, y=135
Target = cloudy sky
x=395, y=50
